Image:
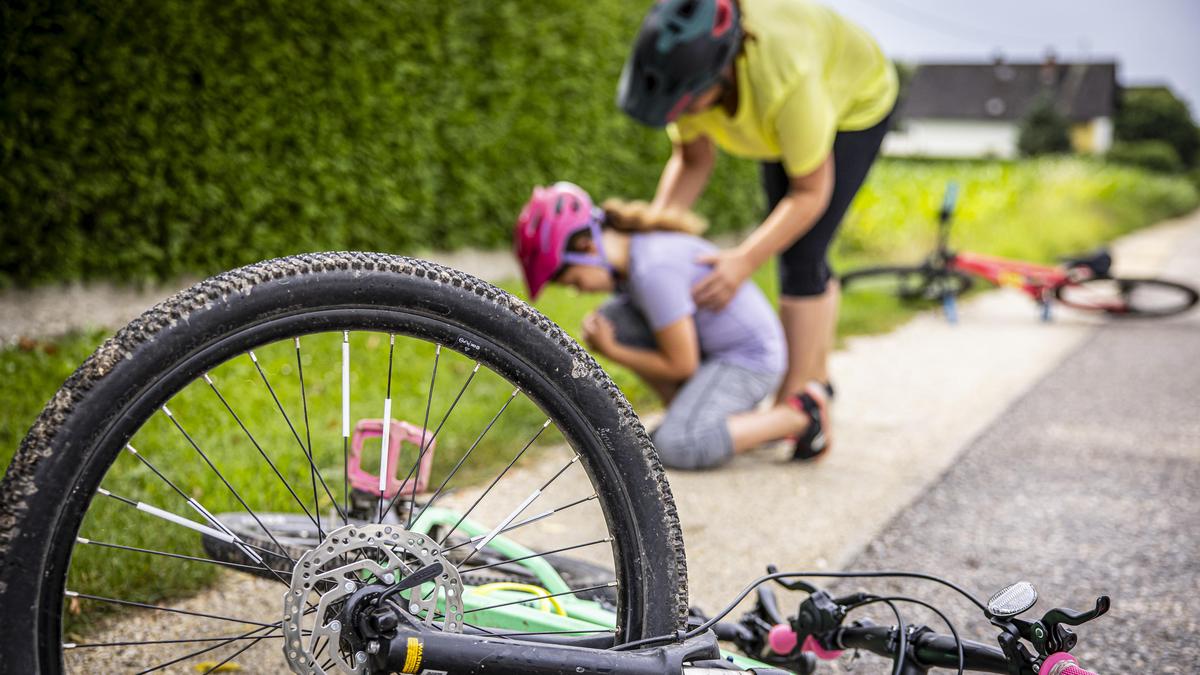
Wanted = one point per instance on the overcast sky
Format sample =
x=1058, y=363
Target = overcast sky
x=1153, y=41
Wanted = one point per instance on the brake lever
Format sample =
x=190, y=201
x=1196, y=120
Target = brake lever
x=1072, y=618
x=769, y=606
x=797, y=585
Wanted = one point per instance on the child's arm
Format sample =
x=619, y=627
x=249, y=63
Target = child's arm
x=677, y=356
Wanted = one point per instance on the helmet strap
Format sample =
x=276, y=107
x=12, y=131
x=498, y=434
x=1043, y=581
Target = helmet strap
x=598, y=258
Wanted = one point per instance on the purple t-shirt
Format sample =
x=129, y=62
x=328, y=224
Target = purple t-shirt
x=662, y=271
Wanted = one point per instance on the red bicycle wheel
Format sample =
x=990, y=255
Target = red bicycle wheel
x=1134, y=298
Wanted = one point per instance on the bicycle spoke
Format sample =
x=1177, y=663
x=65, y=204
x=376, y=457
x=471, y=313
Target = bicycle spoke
x=308, y=441
x=437, y=356
x=466, y=454
x=510, y=636
x=204, y=513
x=432, y=438
x=236, y=654
x=180, y=556
x=535, y=598
x=384, y=447
x=520, y=509
x=590, y=631
x=510, y=561
x=494, y=481
x=170, y=416
x=185, y=657
x=295, y=434
x=227, y=639
x=190, y=524
x=262, y=452
x=346, y=427
x=171, y=610
x=528, y=521
x=437, y=431
x=205, y=650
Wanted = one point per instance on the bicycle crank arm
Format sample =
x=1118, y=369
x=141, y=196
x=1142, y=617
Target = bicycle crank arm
x=412, y=652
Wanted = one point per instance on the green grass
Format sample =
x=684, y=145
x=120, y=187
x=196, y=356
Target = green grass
x=1034, y=210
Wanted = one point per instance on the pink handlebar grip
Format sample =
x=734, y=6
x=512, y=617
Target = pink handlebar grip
x=782, y=639
x=1062, y=663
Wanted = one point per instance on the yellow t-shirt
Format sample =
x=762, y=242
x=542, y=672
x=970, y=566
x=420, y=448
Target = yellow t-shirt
x=805, y=74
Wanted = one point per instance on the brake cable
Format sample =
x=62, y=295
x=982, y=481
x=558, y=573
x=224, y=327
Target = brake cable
x=926, y=605
x=682, y=635
x=902, y=649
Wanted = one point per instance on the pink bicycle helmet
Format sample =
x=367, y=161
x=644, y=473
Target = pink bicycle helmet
x=546, y=224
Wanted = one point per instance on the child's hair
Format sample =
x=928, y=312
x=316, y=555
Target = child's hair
x=638, y=216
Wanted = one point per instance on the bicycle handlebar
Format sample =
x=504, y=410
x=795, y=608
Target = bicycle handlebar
x=930, y=649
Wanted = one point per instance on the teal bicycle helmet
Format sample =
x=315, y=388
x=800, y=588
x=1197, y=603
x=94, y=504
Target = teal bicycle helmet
x=681, y=49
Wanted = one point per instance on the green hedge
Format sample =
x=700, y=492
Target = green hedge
x=144, y=140
x=1151, y=155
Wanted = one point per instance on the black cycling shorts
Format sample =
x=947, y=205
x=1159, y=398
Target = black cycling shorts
x=804, y=269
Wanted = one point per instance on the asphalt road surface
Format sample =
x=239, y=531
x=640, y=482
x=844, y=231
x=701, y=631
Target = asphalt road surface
x=1087, y=485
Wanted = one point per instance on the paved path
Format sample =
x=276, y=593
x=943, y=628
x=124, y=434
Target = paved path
x=1088, y=484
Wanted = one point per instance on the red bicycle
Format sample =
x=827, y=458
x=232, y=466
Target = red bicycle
x=1079, y=282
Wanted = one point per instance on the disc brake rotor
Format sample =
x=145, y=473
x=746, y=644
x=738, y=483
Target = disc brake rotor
x=350, y=558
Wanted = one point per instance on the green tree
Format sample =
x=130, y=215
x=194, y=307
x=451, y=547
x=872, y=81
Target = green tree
x=1156, y=114
x=1044, y=130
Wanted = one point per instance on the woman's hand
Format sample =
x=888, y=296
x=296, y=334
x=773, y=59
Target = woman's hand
x=730, y=270
x=599, y=334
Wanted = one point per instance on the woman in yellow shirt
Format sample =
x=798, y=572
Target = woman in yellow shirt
x=796, y=86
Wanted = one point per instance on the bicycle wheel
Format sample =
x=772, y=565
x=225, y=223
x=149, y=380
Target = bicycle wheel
x=1132, y=298
x=235, y=396
x=910, y=284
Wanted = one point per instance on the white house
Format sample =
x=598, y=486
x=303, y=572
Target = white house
x=975, y=109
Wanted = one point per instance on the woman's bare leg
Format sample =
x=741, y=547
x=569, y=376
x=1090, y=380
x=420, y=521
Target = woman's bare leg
x=808, y=327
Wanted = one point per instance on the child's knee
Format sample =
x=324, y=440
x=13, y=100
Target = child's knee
x=686, y=446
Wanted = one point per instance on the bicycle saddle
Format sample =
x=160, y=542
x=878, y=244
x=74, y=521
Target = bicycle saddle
x=1099, y=262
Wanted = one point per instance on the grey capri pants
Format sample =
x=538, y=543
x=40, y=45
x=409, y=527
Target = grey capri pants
x=693, y=434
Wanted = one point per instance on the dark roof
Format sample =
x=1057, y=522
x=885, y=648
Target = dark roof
x=1006, y=91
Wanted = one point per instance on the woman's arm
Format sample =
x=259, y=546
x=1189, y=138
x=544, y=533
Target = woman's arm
x=795, y=214
x=675, y=360
x=807, y=198
x=686, y=174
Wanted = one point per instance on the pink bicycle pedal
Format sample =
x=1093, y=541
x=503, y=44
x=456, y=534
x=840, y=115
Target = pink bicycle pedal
x=399, y=434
